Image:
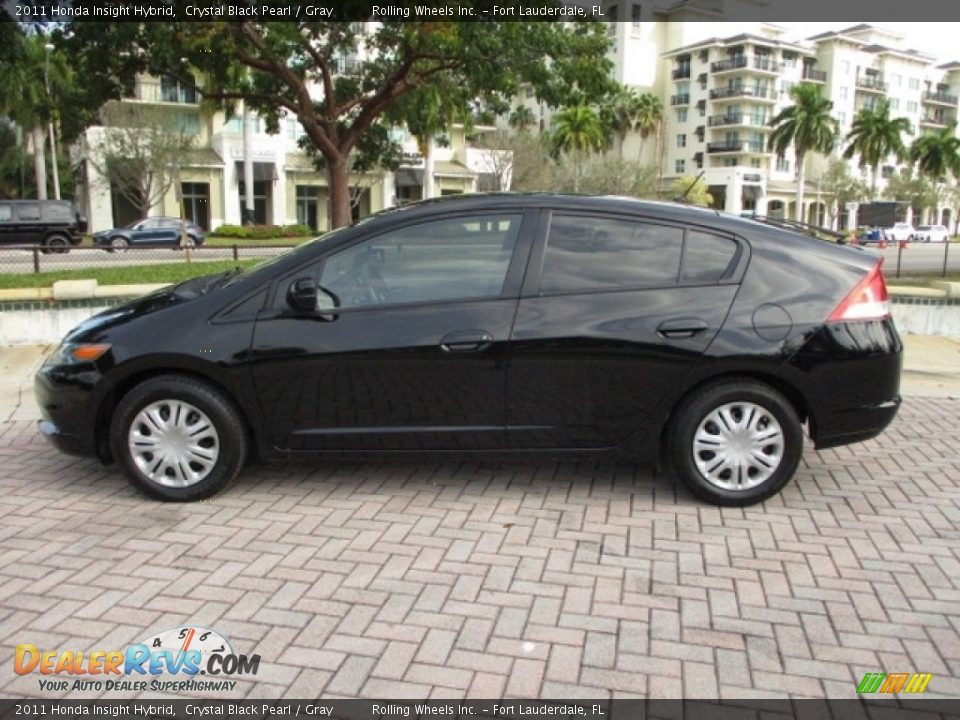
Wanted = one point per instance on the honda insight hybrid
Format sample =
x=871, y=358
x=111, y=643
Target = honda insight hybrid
x=490, y=325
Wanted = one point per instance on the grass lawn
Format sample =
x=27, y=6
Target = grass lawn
x=922, y=280
x=165, y=273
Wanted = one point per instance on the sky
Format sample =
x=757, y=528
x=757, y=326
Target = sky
x=939, y=39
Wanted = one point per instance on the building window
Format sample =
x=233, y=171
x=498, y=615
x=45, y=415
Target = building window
x=895, y=80
x=196, y=203
x=783, y=165
x=680, y=166
x=842, y=118
x=307, y=206
x=786, y=85
x=911, y=106
x=894, y=103
x=755, y=162
x=731, y=162
x=913, y=83
x=635, y=16
x=262, y=200
x=188, y=123
x=845, y=67
x=681, y=115
x=682, y=140
x=842, y=92
x=175, y=91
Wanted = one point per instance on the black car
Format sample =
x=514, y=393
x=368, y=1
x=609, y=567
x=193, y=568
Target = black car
x=149, y=232
x=493, y=324
x=54, y=225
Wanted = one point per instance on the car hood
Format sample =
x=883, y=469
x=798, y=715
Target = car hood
x=159, y=300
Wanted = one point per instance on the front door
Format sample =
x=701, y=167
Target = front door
x=622, y=310
x=413, y=357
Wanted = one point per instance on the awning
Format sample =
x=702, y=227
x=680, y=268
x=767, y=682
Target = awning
x=262, y=171
x=409, y=177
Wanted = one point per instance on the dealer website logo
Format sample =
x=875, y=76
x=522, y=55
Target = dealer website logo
x=170, y=660
x=894, y=682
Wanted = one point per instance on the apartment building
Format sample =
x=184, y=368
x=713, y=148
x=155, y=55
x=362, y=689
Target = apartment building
x=287, y=187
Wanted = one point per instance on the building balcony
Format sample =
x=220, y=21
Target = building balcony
x=811, y=75
x=938, y=121
x=742, y=147
x=737, y=119
x=735, y=93
x=683, y=99
x=871, y=83
x=681, y=73
x=940, y=98
x=147, y=91
x=746, y=64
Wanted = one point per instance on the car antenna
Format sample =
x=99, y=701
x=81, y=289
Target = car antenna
x=683, y=198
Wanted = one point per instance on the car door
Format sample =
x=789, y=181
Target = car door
x=147, y=233
x=28, y=228
x=413, y=355
x=615, y=311
x=7, y=227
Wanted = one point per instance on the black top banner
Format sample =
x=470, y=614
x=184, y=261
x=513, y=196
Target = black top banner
x=478, y=10
x=501, y=709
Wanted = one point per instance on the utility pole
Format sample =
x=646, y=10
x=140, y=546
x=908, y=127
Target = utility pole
x=247, y=215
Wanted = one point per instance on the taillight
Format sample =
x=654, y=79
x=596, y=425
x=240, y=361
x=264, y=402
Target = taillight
x=867, y=301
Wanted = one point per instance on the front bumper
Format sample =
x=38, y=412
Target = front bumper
x=65, y=398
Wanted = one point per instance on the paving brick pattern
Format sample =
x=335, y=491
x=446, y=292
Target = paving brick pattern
x=439, y=579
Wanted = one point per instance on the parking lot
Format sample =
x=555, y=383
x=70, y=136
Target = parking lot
x=520, y=579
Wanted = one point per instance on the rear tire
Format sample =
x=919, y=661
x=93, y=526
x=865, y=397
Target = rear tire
x=178, y=439
x=119, y=244
x=57, y=244
x=735, y=443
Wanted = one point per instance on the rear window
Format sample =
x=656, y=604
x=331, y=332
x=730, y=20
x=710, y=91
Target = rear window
x=590, y=253
x=6, y=213
x=58, y=212
x=706, y=257
x=924, y=227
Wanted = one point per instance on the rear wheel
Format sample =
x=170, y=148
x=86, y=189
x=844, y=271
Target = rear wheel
x=178, y=439
x=57, y=244
x=119, y=244
x=736, y=443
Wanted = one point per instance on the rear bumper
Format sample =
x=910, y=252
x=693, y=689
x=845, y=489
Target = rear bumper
x=851, y=380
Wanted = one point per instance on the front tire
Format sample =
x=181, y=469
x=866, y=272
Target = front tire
x=57, y=244
x=178, y=439
x=736, y=443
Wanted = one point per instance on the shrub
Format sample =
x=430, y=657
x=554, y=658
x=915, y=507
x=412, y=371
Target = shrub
x=262, y=232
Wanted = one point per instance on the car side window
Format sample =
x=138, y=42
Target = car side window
x=594, y=253
x=6, y=213
x=57, y=212
x=447, y=259
x=706, y=257
x=29, y=211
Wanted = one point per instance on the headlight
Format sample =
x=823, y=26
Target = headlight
x=77, y=353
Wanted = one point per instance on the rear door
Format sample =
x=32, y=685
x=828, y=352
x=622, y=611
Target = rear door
x=615, y=311
x=28, y=226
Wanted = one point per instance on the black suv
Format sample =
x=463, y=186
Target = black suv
x=56, y=225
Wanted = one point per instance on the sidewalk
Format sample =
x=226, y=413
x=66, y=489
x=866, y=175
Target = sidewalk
x=931, y=368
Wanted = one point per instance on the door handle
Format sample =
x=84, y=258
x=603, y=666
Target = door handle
x=463, y=341
x=682, y=328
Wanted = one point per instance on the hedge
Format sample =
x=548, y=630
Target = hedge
x=262, y=232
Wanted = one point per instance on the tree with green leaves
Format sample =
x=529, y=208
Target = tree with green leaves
x=577, y=132
x=839, y=187
x=521, y=118
x=621, y=113
x=342, y=80
x=875, y=135
x=808, y=126
x=917, y=191
x=647, y=119
x=937, y=154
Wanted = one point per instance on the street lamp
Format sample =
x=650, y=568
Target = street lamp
x=49, y=47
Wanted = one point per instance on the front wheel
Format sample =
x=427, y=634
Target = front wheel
x=736, y=443
x=57, y=244
x=178, y=439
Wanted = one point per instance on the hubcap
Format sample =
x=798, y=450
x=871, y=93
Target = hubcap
x=173, y=443
x=738, y=446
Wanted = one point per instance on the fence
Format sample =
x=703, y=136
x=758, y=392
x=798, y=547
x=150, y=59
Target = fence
x=26, y=259
x=904, y=258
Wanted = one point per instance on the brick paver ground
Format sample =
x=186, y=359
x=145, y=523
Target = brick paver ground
x=574, y=580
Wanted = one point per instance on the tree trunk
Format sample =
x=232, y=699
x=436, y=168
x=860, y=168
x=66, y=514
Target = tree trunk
x=338, y=178
x=249, y=212
x=39, y=162
x=873, y=182
x=429, y=187
x=801, y=175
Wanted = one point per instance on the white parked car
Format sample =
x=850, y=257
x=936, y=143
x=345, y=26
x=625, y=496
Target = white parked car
x=932, y=233
x=900, y=232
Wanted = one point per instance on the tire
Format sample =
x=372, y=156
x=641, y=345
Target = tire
x=742, y=401
x=57, y=244
x=183, y=408
x=119, y=244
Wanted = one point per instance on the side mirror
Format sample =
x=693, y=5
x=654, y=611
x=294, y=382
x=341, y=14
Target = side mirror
x=302, y=295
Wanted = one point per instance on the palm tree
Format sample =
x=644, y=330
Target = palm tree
x=577, y=131
x=521, y=118
x=874, y=135
x=808, y=126
x=620, y=114
x=648, y=118
x=937, y=154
